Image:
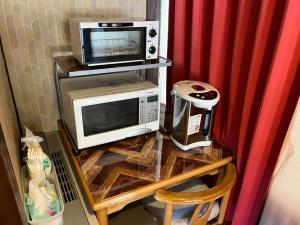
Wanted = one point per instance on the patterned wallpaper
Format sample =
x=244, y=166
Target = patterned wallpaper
x=31, y=30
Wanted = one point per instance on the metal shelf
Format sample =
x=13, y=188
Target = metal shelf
x=66, y=67
x=70, y=67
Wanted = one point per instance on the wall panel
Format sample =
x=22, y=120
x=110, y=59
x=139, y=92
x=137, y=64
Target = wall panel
x=31, y=31
x=9, y=122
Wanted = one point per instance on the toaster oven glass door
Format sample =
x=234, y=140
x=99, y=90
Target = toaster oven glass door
x=110, y=116
x=112, y=45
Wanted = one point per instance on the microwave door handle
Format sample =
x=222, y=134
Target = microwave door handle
x=207, y=121
x=137, y=132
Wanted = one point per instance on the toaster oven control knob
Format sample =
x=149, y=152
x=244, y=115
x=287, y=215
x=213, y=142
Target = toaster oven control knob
x=152, y=50
x=152, y=33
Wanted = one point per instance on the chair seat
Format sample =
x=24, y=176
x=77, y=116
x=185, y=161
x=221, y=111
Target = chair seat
x=181, y=213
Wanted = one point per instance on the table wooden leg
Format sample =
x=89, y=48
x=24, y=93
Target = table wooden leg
x=102, y=217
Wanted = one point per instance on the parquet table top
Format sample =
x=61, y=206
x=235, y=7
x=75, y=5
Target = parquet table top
x=117, y=171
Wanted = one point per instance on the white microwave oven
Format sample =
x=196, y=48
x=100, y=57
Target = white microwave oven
x=106, y=108
x=108, y=42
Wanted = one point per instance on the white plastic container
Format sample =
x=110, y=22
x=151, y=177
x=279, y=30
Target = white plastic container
x=35, y=175
x=38, y=163
x=54, y=220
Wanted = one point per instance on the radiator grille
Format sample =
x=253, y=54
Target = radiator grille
x=66, y=186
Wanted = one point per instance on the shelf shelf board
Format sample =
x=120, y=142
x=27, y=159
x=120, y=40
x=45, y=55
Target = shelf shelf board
x=72, y=68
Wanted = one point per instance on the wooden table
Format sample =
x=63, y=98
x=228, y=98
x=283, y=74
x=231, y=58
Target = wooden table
x=116, y=174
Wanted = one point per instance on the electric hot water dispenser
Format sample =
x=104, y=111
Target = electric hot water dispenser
x=194, y=105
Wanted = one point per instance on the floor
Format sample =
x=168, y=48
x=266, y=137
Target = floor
x=133, y=214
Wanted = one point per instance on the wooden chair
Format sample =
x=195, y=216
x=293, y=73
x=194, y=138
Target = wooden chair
x=201, y=204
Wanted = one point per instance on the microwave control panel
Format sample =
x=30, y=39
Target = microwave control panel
x=148, y=108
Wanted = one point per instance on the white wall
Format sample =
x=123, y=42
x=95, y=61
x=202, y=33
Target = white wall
x=283, y=200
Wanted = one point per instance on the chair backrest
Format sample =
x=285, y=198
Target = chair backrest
x=209, y=196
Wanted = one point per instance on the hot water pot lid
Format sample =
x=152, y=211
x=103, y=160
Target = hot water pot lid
x=197, y=92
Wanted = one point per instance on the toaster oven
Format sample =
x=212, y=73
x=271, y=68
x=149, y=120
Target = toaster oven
x=106, y=42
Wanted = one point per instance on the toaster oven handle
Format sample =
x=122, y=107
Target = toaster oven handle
x=115, y=25
x=207, y=122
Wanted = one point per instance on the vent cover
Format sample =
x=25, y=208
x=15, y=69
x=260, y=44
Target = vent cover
x=66, y=186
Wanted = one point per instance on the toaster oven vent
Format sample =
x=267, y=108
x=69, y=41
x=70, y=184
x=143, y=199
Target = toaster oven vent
x=66, y=186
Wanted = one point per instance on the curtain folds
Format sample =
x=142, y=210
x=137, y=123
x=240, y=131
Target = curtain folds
x=250, y=51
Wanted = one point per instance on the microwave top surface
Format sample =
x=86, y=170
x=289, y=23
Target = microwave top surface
x=79, y=88
x=100, y=80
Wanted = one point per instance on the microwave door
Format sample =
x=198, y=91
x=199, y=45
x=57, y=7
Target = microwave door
x=110, y=116
x=113, y=45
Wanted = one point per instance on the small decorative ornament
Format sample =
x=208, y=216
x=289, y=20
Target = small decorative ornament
x=38, y=162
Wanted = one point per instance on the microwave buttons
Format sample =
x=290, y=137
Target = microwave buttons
x=152, y=111
x=152, y=33
x=152, y=50
x=152, y=116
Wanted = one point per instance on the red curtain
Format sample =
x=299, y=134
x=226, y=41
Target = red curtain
x=250, y=51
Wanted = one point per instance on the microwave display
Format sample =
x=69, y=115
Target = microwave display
x=153, y=98
x=114, y=44
x=110, y=116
